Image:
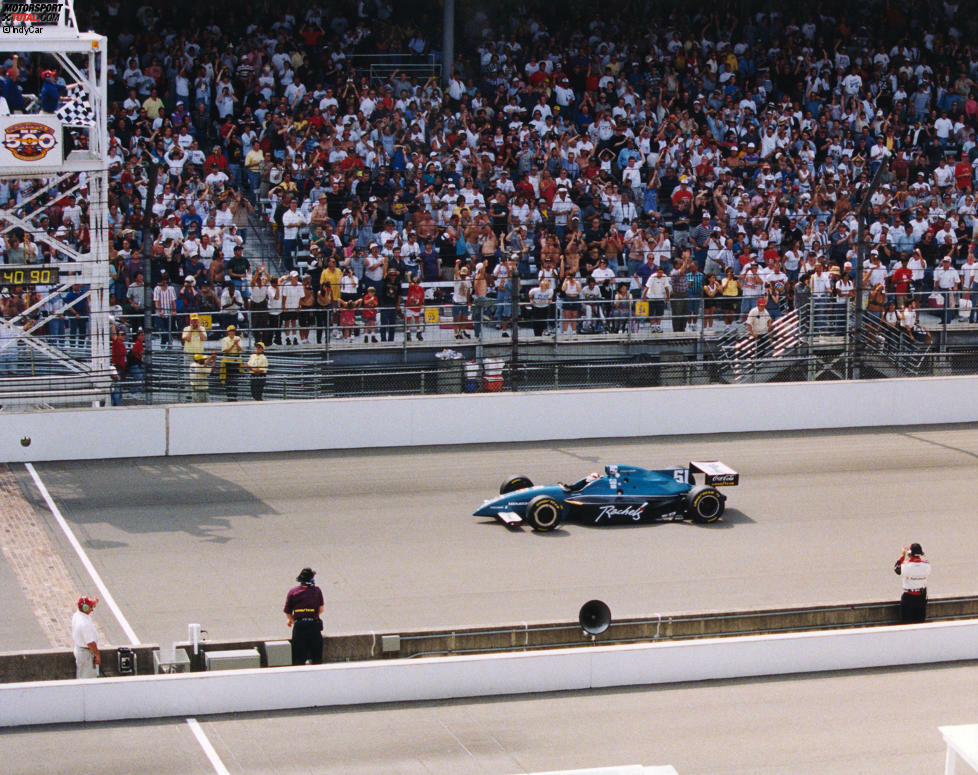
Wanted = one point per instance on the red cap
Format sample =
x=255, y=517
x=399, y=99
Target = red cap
x=86, y=604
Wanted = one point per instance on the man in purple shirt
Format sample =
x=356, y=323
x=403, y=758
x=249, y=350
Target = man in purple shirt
x=303, y=609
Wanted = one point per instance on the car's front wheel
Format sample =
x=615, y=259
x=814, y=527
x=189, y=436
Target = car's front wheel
x=705, y=503
x=543, y=513
x=515, y=483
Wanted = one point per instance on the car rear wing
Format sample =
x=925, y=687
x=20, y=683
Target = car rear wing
x=715, y=473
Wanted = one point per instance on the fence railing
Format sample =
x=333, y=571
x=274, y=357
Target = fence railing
x=444, y=348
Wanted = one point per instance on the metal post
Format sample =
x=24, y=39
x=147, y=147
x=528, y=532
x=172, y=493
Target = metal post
x=945, y=307
x=514, y=281
x=147, y=241
x=404, y=338
x=862, y=217
x=447, y=40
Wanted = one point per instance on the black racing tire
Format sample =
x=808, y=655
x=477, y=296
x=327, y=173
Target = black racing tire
x=543, y=513
x=514, y=483
x=705, y=503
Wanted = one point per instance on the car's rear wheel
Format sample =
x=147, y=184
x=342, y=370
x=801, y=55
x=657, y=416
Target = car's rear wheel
x=543, y=513
x=515, y=483
x=705, y=503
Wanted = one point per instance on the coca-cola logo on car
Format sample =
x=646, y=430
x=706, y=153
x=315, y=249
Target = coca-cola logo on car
x=723, y=478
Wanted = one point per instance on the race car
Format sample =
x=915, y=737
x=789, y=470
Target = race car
x=625, y=494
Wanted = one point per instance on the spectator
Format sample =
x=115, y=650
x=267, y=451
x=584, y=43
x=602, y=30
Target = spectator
x=461, y=298
x=292, y=221
x=368, y=313
x=193, y=337
x=291, y=291
x=541, y=300
x=657, y=291
x=258, y=368
x=231, y=349
x=200, y=371
x=759, y=323
x=750, y=121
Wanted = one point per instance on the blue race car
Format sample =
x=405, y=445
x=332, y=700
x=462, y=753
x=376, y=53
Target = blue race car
x=624, y=495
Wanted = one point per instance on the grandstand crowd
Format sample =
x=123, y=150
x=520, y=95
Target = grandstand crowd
x=685, y=158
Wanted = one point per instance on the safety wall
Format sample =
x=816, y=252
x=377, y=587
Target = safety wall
x=342, y=423
x=406, y=680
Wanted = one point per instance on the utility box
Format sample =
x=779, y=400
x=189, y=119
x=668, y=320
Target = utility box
x=278, y=653
x=236, y=659
x=171, y=661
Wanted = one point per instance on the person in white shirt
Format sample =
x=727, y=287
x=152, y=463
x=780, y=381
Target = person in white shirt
x=84, y=635
x=191, y=247
x=604, y=277
x=947, y=280
x=759, y=322
x=969, y=284
x=292, y=292
x=918, y=266
x=230, y=239
x=216, y=179
x=631, y=177
x=911, y=324
x=562, y=208
x=914, y=571
x=171, y=231
x=205, y=250
x=657, y=290
x=875, y=273
x=944, y=176
x=292, y=220
x=71, y=213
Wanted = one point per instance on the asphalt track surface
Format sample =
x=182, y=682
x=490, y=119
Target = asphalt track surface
x=818, y=518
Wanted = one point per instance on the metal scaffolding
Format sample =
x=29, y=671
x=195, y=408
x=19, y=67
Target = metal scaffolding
x=76, y=164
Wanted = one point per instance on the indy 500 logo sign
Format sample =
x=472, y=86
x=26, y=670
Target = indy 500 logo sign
x=28, y=18
x=29, y=141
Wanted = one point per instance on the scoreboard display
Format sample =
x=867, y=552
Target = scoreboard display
x=28, y=274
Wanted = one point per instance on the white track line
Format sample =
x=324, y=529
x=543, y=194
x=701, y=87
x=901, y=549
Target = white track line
x=194, y=725
x=63, y=524
x=215, y=760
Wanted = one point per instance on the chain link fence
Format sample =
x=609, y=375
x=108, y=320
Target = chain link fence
x=444, y=350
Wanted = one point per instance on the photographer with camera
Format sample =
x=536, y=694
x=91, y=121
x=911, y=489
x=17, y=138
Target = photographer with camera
x=914, y=570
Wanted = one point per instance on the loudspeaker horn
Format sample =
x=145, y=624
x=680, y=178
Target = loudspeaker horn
x=595, y=617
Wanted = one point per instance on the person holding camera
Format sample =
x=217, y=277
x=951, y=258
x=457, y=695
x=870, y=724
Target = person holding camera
x=193, y=337
x=914, y=570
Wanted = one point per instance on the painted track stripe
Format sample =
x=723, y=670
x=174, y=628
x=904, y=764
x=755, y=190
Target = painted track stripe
x=209, y=751
x=76, y=545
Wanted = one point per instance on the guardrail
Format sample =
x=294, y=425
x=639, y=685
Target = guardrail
x=57, y=664
x=434, y=678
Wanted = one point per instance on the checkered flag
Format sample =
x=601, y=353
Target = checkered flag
x=76, y=111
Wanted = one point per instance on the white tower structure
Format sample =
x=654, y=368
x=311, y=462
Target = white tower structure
x=53, y=156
